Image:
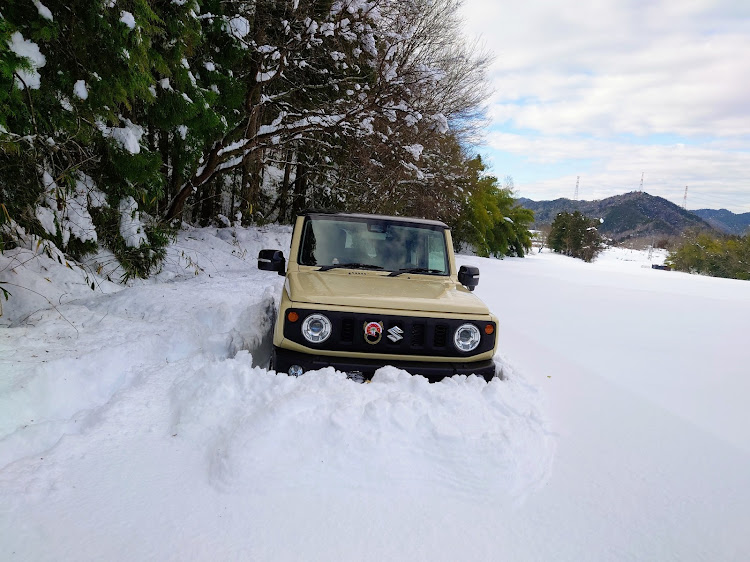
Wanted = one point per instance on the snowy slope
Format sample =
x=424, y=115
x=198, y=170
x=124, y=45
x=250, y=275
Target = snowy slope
x=139, y=423
x=646, y=376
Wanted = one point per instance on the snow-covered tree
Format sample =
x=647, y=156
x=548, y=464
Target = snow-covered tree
x=76, y=72
x=205, y=109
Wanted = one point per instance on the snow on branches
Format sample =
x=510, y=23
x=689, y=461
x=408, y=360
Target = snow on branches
x=188, y=102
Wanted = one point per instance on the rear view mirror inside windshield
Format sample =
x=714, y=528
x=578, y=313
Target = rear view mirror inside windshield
x=376, y=227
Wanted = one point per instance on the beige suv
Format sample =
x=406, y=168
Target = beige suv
x=364, y=291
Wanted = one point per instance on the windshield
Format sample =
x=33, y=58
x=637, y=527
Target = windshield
x=373, y=244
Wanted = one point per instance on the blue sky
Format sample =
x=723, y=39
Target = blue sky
x=610, y=90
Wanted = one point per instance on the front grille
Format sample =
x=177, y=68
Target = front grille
x=413, y=335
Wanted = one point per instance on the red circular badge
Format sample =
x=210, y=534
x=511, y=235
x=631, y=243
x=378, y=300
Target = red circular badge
x=373, y=332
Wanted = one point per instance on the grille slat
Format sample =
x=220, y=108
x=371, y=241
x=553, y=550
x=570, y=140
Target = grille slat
x=441, y=335
x=417, y=335
x=347, y=330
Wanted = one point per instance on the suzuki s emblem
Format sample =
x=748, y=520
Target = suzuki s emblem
x=373, y=332
x=394, y=334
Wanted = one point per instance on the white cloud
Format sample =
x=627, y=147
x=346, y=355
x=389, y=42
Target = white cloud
x=611, y=72
x=680, y=84
x=716, y=173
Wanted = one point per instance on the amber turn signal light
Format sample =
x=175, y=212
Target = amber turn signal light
x=292, y=316
x=489, y=329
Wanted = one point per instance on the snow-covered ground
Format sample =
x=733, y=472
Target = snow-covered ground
x=139, y=423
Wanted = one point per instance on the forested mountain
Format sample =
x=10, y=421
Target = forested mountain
x=632, y=215
x=118, y=120
x=725, y=221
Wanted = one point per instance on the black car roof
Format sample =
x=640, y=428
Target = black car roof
x=412, y=220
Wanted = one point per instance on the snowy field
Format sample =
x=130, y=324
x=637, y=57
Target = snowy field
x=140, y=423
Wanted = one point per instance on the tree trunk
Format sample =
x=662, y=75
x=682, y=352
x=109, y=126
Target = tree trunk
x=207, y=203
x=252, y=174
x=163, y=141
x=300, y=187
x=245, y=188
x=284, y=194
x=199, y=178
x=232, y=201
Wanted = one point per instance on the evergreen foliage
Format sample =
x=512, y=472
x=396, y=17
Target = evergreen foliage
x=493, y=223
x=710, y=255
x=71, y=135
x=221, y=111
x=575, y=235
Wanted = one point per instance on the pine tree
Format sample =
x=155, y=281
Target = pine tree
x=575, y=235
x=144, y=112
x=492, y=222
x=76, y=123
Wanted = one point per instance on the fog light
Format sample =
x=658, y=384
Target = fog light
x=295, y=371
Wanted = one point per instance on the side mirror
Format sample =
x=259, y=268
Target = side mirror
x=468, y=276
x=272, y=260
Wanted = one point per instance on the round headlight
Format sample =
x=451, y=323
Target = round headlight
x=467, y=337
x=316, y=328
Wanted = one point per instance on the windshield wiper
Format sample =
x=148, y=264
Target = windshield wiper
x=413, y=270
x=349, y=266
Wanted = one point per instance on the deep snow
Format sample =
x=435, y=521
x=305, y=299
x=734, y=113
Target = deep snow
x=140, y=423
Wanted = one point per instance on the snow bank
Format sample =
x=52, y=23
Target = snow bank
x=461, y=436
x=79, y=344
x=167, y=376
x=617, y=434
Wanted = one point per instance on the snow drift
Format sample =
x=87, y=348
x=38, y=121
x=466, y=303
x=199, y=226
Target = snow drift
x=140, y=422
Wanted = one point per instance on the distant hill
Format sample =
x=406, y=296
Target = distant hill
x=632, y=215
x=725, y=221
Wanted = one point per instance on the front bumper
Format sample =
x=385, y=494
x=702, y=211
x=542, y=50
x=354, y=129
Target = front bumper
x=284, y=358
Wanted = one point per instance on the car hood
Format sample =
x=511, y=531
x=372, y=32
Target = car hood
x=419, y=293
